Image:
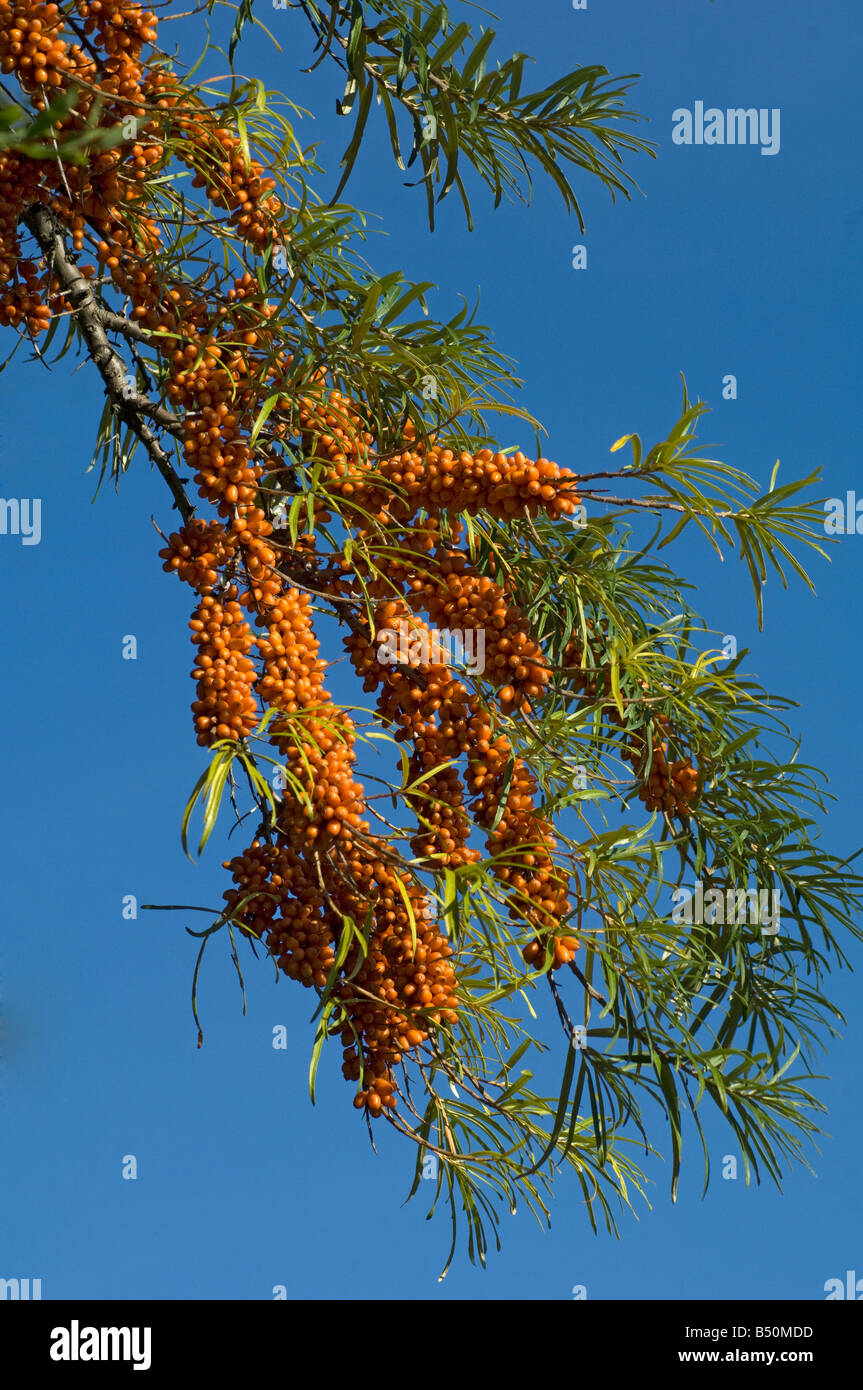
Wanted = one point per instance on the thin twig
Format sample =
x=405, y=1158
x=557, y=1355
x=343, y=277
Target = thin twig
x=113, y=370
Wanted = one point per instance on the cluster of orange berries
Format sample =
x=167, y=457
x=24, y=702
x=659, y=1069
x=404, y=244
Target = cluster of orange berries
x=264, y=875
x=226, y=706
x=455, y=596
x=23, y=302
x=503, y=485
x=443, y=721
x=19, y=302
x=197, y=553
x=398, y=995
x=439, y=804
x=391, y=997
x=213, y=445
x=319, y=864
x=292, y=675
x=397, y=486
x=523, y=840
x=31, y=46
x=432, y=577
x=229, y=182
x=564, y=949
x=302, y=940
x=322, y=767
x=334, y=431
x=122, y=29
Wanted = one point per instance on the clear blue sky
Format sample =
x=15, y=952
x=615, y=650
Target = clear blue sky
x=732, y=262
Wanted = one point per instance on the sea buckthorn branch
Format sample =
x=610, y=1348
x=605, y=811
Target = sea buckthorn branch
x=131, y=407
x=655, y=504
x=93, y=318
x=414, y=937
x=118, y=323
x=472, y=115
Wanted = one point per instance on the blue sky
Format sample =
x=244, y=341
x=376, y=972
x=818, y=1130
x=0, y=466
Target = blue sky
x=731, y=262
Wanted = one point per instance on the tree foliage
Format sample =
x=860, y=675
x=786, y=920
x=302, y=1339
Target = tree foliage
x=166, y=222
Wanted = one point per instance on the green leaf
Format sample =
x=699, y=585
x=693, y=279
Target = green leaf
x=506, y=783
x=350, y=154
x=263, y=415
x=320, y=1039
